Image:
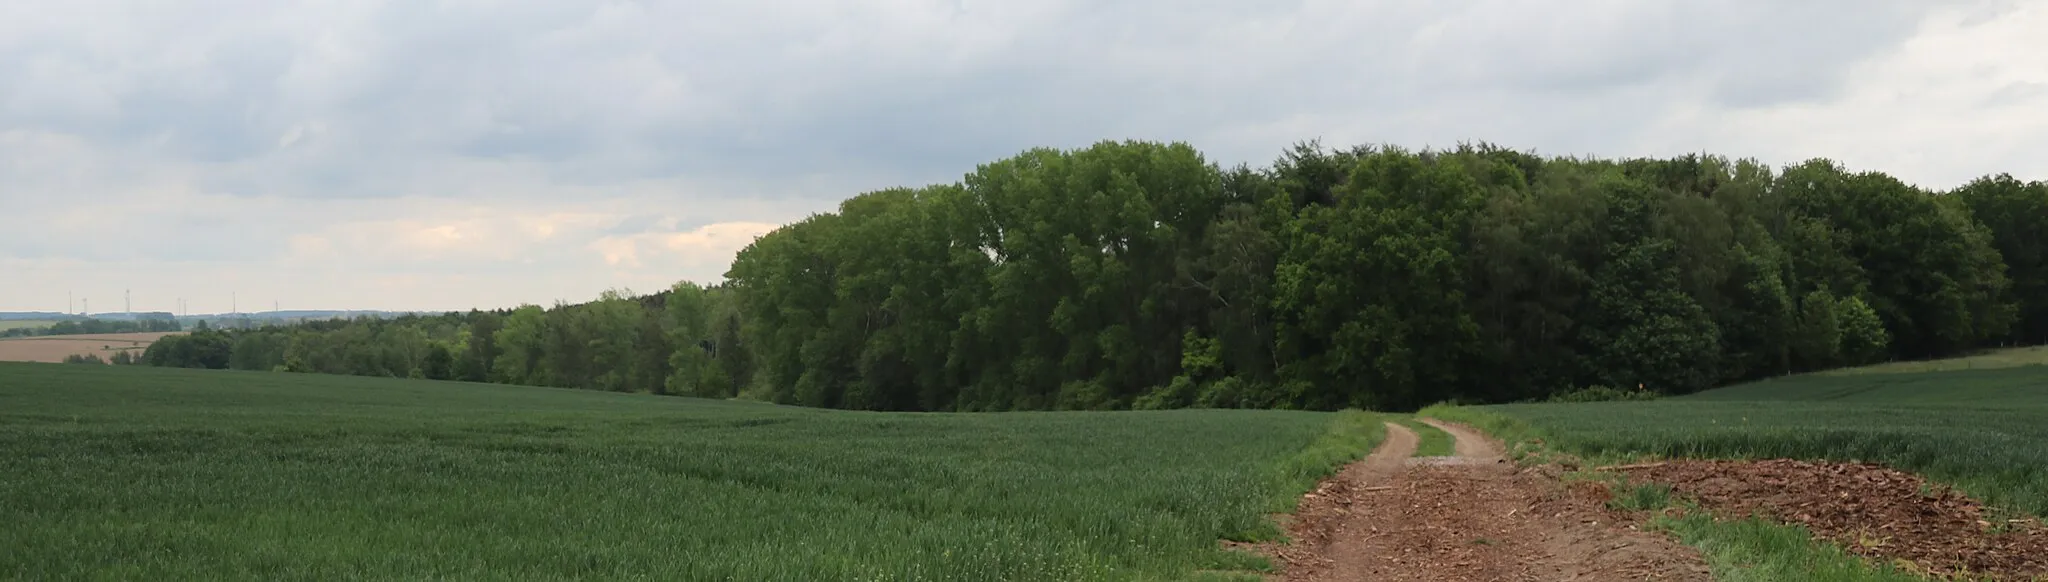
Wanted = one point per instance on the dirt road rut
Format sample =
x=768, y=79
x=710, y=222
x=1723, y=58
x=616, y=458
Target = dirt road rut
x=1474, y=517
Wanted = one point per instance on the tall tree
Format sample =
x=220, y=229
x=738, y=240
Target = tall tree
x=2016, y=215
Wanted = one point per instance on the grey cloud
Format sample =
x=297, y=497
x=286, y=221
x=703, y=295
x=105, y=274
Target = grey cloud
x=1747, y=54
x=753, y=93
x=2016, y=93
x=668, y=112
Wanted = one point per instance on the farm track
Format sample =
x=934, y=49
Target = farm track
x=1473, y=517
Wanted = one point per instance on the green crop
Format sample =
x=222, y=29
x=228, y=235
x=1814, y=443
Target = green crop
x=136, y=473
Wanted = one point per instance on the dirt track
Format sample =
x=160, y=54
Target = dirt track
x=1475, y=517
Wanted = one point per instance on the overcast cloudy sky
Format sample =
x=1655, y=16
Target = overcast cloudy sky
x=444, y=154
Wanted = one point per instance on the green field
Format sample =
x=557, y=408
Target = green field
x=139, y=473
x=24, y=323
x=1993, y=359
x=1984, y=431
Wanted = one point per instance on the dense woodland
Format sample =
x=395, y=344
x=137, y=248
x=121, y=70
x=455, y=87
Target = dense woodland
x=1141, y=275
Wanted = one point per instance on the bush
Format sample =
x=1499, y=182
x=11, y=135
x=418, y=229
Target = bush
x=84, y=359
x=1085, y=395
x=1603, y=394
x=1229, y=392
x=1178, y=394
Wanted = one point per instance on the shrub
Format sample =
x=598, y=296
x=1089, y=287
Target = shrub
x=1603, y=394
x=1178, y=394
x=1229, y=392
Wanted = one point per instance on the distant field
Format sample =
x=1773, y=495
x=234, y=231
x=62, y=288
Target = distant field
x=1985, y=431
x=144, y=473
x=1994, y=359
x=53, y=348
x=7, y=324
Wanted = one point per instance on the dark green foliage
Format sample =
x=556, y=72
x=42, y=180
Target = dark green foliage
x=1645, y=331
x=162, y=474
x=1368, y=295
x=85, y=359
x=1926, y=268
x=1140, y=275
x=439, y=363
x=480, y=347
x=2016, y=214
x=203, y=348
x=1863, y=335
x=1817, y=338
x=1603, y=394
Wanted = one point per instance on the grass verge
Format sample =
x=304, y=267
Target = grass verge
x=1434, y=441
x=1352, y=434
x=1755, y=550
x=1525, y=443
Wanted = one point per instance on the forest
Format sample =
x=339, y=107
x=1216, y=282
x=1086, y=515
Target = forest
x=1143, y=275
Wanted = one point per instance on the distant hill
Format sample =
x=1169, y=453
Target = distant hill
x=288, y=315
x=33, y=315
x=262, y=318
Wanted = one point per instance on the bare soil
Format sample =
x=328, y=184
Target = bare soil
x=1473, y=518
x=53, y=348
x=1868, y=509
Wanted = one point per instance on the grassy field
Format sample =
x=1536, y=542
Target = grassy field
x=7, y=324
x=1984, y=431
x=141, y=473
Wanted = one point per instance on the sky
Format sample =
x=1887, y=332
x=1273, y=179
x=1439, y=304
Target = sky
x=449, y=154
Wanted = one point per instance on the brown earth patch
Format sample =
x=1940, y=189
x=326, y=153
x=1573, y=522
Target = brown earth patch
x=53, y=348
x=1481, y=519
x=1868, y=509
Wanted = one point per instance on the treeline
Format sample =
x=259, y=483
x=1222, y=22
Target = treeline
x=120, y=358
x=1142, y=275
x=684, y=340
x=96, y=326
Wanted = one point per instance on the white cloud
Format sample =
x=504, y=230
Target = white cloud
x=1962, y=98
x=709, y=244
